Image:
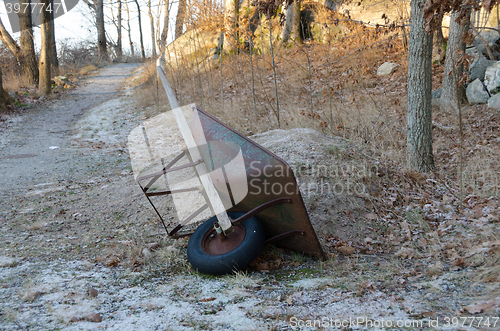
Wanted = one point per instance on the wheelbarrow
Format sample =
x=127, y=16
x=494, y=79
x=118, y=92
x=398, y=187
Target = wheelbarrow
x=228, y=193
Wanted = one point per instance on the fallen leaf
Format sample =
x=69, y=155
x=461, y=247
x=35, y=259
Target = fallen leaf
x=347, y=250
x=405, y=253
x=482, y=306
x=207, y=299
x=371, y=216
x=94, y=317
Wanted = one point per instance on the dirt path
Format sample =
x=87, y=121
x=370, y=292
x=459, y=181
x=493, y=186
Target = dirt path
x=26, y=157
x=73, y=218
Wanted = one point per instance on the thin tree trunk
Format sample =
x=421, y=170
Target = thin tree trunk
x=119, y=44
x=101, y=32
x=140, y=30
x=292, y=23
x=274, y=73
x=45, y=87
x=419, y=131
x=129, y=30
x=164, y=32
x=152, y=22
x=54, y=61
x=179, y=20
x=438, y=39
x=453, y=93
x=250, y=44
x=3, y=102
x=27, y=57
x=231, y=17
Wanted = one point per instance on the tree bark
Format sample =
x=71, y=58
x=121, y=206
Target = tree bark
x=27, y=58
x=152, y=22
x=129, y=30
x=419, y=131
x=45, y=87
x=25, y=54
x=292, y=24
x=119, y=45
x=54, y=61
x=101, y=32
x=140, y=30
x=3, y=102
x=231, y=18
x=453, y=94
x=179, y=20
x=164, y=32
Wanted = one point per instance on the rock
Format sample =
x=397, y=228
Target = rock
x=387, y=69
x=323, y=33
x=437, y=93
x=492, y=78
x=147, y=254
x=60, y=80
x=152, y=246
x=476, y=93
x=494, y=102
x=478, y=68
x=94, y=317
x=473, y=52
x=6, y=261
x=13, y=96
x=492, y=39
x=92, y=292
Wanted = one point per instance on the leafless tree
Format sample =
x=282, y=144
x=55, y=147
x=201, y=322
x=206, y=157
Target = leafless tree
x=179, y=20
x=3, y=102
x=143, y=53
x=419, y=134
x=25, y=51
x=45, y=86
x=152, y=24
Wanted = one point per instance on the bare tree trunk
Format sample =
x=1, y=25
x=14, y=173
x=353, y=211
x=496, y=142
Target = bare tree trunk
x=419, y=134
x=140, y=30
x=54, y=61
x=164, y=32
x=119, y=44
x=453, y=93
x=152, y=22
x=101, y=32
x=129, y=30
x=179, y=20
x=292, y=23
x=25, y=54
x=438, y=39
x=231, y=18
x=27, y=57
x=45, y=87
x=3, y=102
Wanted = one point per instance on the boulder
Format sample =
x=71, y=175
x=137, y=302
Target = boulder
x=494, y=102
x=478, y=68
x=387, y=68
x=476, y=93
x=492, y=39
x=492, y=78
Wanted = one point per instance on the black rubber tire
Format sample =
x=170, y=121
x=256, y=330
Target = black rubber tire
x=237, y=259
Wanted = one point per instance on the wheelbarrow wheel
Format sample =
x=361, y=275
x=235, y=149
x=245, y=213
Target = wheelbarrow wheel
x=208, y=254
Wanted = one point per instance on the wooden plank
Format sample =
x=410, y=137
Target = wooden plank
x=211, y=193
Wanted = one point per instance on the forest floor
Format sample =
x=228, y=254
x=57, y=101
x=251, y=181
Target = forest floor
x=75, y=226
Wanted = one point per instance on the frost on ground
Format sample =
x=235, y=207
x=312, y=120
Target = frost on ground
x=55, y=295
